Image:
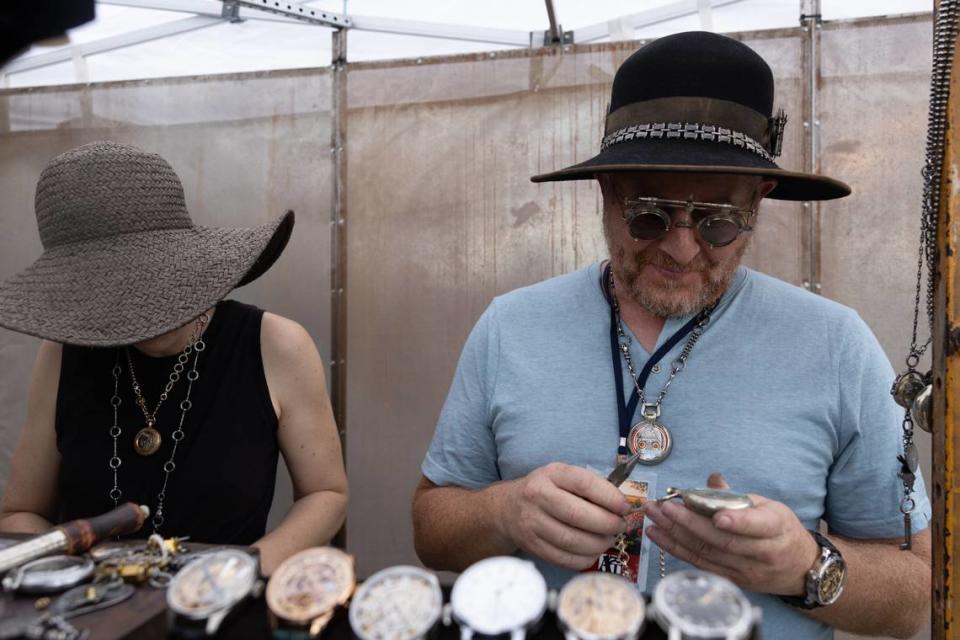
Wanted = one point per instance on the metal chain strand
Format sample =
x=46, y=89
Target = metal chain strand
x=195, y=346
x=115, y=432
x=185, y=405
x=151, y=417
x=945, y=35
x=678, y=365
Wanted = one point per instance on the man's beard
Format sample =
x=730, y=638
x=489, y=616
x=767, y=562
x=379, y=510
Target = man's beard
x=672, y=299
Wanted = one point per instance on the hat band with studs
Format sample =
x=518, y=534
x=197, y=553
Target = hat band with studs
x=686, y=131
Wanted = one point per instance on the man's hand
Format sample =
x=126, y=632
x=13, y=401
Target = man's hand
x=563, y=514
x=764, y=549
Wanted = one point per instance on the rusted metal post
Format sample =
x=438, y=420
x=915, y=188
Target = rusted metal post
x=338, y=245
x=946, y=385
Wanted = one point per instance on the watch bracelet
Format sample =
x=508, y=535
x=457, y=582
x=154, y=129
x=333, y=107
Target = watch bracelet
x=804, y=601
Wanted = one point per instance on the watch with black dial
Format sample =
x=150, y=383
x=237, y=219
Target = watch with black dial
x=825, y=579
x=697, y=604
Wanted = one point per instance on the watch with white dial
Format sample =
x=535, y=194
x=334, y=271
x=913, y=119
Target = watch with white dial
x=306, y=589
x=697, y=604
x=205, y=591
x=497, y=596
x=399, y=603
x=600, y=606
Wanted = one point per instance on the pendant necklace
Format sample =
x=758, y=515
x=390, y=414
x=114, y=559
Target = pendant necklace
x=147, y=440
x=649, y=438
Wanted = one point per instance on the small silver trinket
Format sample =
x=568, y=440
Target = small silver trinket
x=907, y=387
x=921, y=411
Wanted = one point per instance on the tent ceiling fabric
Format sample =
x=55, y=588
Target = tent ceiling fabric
x=270, y=42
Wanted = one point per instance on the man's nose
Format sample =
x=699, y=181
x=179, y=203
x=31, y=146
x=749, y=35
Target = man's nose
x=681, y=243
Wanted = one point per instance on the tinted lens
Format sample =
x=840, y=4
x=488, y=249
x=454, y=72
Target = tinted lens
x=647, y=224
x=718, y=230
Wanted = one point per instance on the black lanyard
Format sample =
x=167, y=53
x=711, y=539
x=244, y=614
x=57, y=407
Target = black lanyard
x=625, y=410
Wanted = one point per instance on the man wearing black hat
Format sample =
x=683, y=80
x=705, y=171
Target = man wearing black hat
x=672, y=353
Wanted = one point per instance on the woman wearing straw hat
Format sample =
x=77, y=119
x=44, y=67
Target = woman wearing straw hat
x=149, y=387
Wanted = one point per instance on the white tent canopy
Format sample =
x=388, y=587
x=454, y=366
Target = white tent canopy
x=133, y=39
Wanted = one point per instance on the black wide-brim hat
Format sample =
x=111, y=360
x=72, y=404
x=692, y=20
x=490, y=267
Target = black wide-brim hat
x=697, y=102
x=122, y=260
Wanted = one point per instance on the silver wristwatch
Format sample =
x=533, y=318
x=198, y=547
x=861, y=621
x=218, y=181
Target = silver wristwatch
x=825, y=579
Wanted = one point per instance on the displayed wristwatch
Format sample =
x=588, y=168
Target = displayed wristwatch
x=49, y=575
x=825, y=579
x=501, y=595
x=205, y=591
x=600, y=606
x=399, y=603
x=697, y=604
x=306, y=589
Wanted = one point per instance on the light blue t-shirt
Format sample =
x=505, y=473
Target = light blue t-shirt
x=786, y=394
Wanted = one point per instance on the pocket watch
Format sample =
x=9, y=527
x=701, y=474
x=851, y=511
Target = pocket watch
x=600, y=606
x=205, y=591
x=49, y=575
x=399, y=603
x=306, y=589
x=498, y=595
x=707, y=502
x=697, y=604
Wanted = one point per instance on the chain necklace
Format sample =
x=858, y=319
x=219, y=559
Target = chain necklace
x=195, y=347
x=912, y=390
x=650, y=437
x=148, y=440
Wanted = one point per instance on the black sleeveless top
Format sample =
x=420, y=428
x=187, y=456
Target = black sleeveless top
x=222, y=487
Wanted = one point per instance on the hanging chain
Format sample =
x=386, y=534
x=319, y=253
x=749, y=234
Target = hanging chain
x=678, y=365
x=195, y=347
x=909, y=384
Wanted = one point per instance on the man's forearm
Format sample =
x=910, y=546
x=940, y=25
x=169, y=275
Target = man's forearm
x=312, y=520
x=887, y=590
x=455, y=527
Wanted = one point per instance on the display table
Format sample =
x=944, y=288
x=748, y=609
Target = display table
x=144, y=617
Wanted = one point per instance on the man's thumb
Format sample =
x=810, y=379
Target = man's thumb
x=717, y=481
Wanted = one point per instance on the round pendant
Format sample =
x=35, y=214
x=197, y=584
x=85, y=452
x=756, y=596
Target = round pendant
x=907, y=387
x=651, y=440
x=147, y=441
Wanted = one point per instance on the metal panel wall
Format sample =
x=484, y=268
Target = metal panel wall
x=875, y=79
x=442, y=217
x=247, y=147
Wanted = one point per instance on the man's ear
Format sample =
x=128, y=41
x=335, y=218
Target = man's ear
x=604, y=180
x=766, y=186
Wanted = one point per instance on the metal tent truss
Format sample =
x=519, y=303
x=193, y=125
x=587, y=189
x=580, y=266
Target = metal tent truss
x=209, y=13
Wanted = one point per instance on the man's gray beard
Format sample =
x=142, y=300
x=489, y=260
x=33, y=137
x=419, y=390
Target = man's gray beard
x=715, y=281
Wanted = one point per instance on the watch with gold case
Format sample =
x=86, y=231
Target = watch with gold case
x=306, y=589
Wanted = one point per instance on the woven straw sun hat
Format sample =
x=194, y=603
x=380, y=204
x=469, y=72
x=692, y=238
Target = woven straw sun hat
x=122, y=260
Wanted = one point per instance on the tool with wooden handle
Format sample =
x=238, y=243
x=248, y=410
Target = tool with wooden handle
x=76, y=536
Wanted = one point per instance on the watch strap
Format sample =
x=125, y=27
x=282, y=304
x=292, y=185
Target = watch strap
x=808, y=601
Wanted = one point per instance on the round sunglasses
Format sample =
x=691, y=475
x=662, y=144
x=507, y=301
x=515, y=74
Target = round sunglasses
x=716, y=224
